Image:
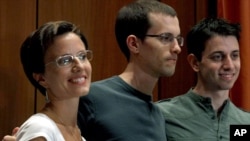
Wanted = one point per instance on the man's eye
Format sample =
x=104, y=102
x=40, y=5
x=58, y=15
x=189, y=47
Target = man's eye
x=217, y=57
x=168, y=38
x=235, y=55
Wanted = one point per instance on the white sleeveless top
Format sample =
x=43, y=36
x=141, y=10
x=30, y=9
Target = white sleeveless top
x=40, y=125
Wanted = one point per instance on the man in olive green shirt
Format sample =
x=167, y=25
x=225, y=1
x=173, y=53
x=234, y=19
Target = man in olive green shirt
x=205, y=112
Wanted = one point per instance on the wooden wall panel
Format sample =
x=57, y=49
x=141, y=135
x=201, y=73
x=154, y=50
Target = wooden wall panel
x=16, y=94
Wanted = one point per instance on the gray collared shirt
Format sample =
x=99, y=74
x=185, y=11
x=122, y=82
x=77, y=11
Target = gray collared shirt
x=190, y=117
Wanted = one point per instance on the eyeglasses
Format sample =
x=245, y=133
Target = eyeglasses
x=168, y=38
x=67, y=60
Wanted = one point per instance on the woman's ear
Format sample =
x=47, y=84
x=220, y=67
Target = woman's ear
x=40, y=79
x=132, y=43
x=193, y=62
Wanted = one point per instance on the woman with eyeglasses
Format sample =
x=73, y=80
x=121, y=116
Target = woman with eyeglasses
x=55, y=59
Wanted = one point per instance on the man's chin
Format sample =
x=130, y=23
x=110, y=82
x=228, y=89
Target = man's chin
x=169, y=73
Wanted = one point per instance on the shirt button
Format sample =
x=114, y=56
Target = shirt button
x=213, y=118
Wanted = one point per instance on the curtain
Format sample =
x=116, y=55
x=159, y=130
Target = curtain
x=239, y=11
